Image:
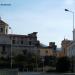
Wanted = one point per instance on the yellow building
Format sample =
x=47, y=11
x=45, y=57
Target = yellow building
x=60, y=54
x=46, y=51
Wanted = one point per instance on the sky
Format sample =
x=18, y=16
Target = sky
x=47, y=17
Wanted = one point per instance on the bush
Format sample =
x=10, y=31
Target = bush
x=63, y=64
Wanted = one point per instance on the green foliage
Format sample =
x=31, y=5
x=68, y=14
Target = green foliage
x=27, y=60
x=50, y=61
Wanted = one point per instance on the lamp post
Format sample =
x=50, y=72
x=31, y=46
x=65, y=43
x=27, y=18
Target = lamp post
x=73, y=18
x=11, y=49
x=43, y=63
x=11, y=53
x=73, y=37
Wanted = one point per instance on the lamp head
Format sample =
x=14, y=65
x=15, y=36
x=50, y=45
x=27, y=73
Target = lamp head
x=66, y=10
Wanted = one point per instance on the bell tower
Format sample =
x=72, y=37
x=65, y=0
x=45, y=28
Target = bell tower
x=3, y=27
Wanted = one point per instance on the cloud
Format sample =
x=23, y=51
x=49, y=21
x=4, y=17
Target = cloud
x=69, y=2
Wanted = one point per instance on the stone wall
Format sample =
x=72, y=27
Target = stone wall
x=8, y=72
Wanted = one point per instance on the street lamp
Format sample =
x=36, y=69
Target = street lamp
x=73, y=37
x=43, y=63
x=11, y=52
x=73, y=16
x=11, y=48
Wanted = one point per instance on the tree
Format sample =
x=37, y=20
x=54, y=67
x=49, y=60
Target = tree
x=4, y=62
x=63, y=64
x=19, y=61
x=50, y=61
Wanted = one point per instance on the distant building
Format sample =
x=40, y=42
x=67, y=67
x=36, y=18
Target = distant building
x=64, y=45
x=71, y=52
x=48, y=50
x=3, y=27
x=53, y=47
x=71, y=48
x=64, y=48
x=18, y=44
x=60, y=54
